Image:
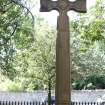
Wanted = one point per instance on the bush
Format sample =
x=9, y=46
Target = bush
x=90, y=82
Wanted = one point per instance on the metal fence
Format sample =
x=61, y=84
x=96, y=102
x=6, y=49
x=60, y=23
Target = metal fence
x=45, y=103
x=88, y=103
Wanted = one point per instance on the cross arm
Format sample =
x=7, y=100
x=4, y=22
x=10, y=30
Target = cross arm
x=48, y=5
x=78, y=5
x=63, y=5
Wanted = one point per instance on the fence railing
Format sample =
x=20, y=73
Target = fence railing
x=46, y=103
x=88, y=103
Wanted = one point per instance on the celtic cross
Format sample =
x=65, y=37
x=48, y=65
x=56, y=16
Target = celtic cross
x=63, y=69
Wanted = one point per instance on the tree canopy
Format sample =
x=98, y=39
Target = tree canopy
x=27, y=48
x=16, y=32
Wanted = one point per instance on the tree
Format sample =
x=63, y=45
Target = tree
x=15, y=32
x=29, y=59
x=88, y=43
x=35, y=66
x=93, y=81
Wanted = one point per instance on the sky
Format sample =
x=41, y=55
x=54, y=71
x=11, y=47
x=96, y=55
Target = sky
x=51, y=17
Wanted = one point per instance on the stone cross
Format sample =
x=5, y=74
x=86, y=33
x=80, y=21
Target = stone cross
x=63, y=65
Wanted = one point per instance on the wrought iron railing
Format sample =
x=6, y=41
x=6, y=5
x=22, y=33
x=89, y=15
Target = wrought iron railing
x=46, y=103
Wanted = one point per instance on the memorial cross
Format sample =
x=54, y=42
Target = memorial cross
x=63, y=69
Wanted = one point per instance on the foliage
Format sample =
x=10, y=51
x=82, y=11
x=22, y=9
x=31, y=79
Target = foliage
x=88, y=43
x=15, y=32
x=35, y=66
x=91, y=25
x=90, y=82
x=27, y=60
